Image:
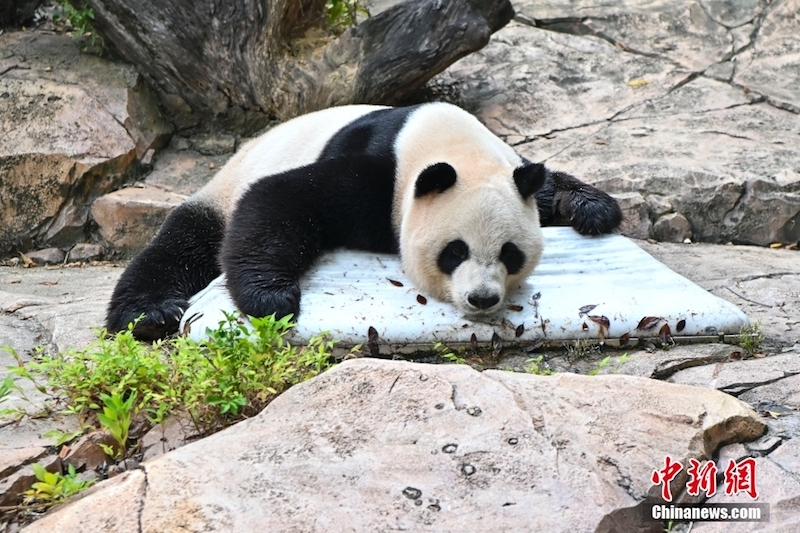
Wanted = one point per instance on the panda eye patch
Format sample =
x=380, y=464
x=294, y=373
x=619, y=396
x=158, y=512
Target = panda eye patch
x=452, y=255
x=512, y=257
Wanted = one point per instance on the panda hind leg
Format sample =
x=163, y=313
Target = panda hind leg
x=565, y=199
x=179, y=261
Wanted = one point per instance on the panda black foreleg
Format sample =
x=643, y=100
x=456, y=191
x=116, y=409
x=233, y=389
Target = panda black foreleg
x=284, y=222
x=564, y=199
x=179, y=261
x=272, y=238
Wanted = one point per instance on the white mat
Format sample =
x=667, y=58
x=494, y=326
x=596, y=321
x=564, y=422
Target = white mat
x=603, y=288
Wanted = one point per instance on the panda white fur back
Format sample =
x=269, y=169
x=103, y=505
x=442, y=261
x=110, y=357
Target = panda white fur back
x=292, y=144
x=428, y=181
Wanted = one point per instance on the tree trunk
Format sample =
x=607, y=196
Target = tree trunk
x=236, y=64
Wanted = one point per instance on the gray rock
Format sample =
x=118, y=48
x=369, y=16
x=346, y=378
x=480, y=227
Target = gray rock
x=495, y=445
x=672, y=227
x=84, y=251
x=736, y=377
x=115, y=508
x=635, y=217
x=87, y=122
x=130, y=217
x=183, y=171
x=47, y=256
x=12, y=458
x=617, y=95
x=12, y=486
x=216, y=144
x=772, y=65
x=657, y=206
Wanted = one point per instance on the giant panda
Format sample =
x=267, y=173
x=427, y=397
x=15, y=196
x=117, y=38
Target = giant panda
x=429, y=182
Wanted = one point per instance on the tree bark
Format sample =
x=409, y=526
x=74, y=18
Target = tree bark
x=236, y=64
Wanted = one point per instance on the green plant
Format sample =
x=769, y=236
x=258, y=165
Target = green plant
x=606, y=361
x=62, y=437
x=447, y=354
x=232, y=375
x=53, y=487
x=81, y=22
x=116, y=418
x=537, y=365
x=344, y=13
x=602, y=364
x=751, y=336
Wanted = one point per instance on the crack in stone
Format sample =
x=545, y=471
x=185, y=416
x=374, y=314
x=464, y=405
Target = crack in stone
x=737, y=389
x=613, y=119
x=140, y=511
x=577, y=26
x=716, y=132
x=771, y=275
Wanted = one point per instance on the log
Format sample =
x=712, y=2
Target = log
x=238, y=64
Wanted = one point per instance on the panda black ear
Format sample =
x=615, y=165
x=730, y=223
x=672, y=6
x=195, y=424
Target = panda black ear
x=529, y=178
x=438, y=177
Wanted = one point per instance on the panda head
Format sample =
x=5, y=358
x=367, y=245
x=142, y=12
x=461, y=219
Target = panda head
x=470, y=234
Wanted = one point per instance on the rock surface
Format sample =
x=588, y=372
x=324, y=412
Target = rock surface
x=76, y=126
x=378, y=445
x=694, y=102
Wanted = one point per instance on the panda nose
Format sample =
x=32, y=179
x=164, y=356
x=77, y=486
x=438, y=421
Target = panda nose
x=483, y=302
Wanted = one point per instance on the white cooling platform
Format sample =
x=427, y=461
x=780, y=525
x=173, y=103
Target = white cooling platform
x=601, y=288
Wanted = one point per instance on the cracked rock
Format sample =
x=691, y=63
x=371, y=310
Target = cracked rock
x=367, y=430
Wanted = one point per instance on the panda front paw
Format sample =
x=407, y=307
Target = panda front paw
x=153, y=319
x=264, y=301
x=593, y=214
x=587, y=209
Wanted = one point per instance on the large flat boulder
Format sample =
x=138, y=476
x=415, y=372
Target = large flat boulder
x=687, y=111
x=376, y=445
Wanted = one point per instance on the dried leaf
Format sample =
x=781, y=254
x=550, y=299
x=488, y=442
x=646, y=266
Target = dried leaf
x=648, y=322
x=372, y=344
x=421, y=299
x=497, y=344
x=514, y=307
x=624, y=339
x=519, y=331
x=586, y=309
x=27, y=261
x=395, y=282
x=372, y=334
x=776, y=245
x=735, y=356
x=681, y=325
x=49, y=283
x=473, y=342
x=600, y=319
x=665, y=334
